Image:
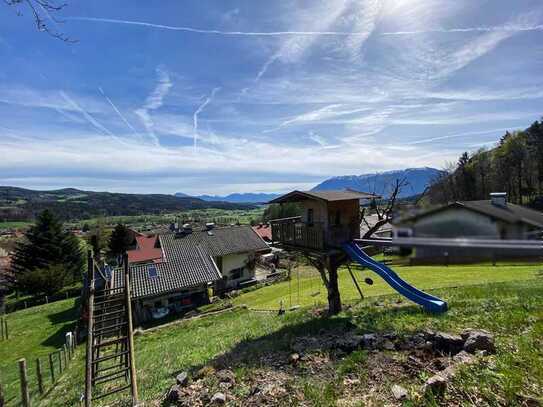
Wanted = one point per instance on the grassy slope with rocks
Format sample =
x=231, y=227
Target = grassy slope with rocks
x=256, y=347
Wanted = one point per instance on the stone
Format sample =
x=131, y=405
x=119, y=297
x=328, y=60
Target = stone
x=448, y=343
x=436, y=386
x=226, y=376
x=399, y=392
x=218, y=398
x=349, y=343
x=478, y=340
x=174, y=394
x=463, y=357
x=370, y=341
x=294, y=359
x=388, y=345
x=182, y=378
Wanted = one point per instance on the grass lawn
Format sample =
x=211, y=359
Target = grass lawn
x=512, y=310
x=15, y=225
x=422, y=277
x=33, y=333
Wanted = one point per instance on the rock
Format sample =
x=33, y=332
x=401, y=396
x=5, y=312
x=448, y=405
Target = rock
x=174, y=394
x=478, y=339
x=226, y=376
x=294, y=359
x=182, y=378
x=349, y=343
x=388, y=345
x=436, y=386
x=370, y=341
x=218, y=398
x=448, y=343
x=399, y=392
x=463, y=357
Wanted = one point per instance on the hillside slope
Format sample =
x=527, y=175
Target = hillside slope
x=380, y=183
x=72, y=204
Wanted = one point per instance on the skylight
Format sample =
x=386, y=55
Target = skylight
x=152, y=271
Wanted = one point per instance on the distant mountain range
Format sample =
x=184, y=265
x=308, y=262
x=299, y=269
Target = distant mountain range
x=74, y=204
x=380, y=183
x=417, y=180
x=235, y=198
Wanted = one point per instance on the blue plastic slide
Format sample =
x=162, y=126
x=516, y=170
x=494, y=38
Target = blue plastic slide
x=429, y=302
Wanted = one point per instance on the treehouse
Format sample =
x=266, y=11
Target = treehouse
x=329, y=219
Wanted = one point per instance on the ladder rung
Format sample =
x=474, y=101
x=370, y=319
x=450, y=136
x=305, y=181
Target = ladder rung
x=110, y=342
x=108, y=290
x=109, y=357
x=111, y=376
x=106, y=314
x=116, y=390
x=109, y=299
x=102, y=321
x=106, y=369
x=109, y=328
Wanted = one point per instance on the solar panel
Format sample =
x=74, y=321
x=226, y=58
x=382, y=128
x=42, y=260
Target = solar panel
x=152, y=271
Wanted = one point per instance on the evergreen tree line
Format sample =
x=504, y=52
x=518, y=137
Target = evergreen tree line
x=514, y=166
x=50, y=258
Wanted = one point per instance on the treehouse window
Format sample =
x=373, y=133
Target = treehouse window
x=310, y=216
x=337, y=218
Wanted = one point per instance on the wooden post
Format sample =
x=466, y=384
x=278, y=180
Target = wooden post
x=6, y=331
x=60, y=367
x=65, y=356
x=133, y=381
x=1, y=328
x=355, y=282
x=25, y=395
x=39, y=375
x=90, y=336
x=52, y=368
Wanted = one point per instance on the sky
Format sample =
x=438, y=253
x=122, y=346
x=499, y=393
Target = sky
x=221, y=96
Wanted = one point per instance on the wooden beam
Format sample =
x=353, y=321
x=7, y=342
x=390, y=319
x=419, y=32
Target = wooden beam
x=133, y=381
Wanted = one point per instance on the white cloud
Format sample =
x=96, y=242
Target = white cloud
x=154, y=101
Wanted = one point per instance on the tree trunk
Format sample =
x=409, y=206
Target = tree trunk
x=334, y=299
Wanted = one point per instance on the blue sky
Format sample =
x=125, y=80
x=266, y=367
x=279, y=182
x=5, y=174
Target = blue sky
x=224, y=96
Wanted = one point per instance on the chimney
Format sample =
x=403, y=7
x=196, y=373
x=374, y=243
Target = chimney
x=499, y=199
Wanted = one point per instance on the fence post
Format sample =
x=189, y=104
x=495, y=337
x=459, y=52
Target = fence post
x=59, y=361
x=6, y=331
x=39, y=375
x=25, y=395
x=1, y=328
x=65, y=357
x=52, y=368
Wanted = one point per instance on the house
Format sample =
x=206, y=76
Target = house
x=264, y=231
x=147, y=250
x=494, y=218
x=191, y=262
x=329, y=219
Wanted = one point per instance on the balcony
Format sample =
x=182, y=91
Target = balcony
x=293, y=232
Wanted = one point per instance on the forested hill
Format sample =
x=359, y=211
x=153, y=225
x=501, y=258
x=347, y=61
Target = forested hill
x=514, y=166
x=72, y=204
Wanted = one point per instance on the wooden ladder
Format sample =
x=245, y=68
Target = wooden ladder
x=110, y=366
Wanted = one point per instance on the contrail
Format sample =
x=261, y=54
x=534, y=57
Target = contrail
x=469, y=133
x=513, y=28
x=118, y=112
x=218, y=32
x=199, y=110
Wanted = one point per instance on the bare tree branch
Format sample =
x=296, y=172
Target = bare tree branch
x=43, y=10
x=384, y=215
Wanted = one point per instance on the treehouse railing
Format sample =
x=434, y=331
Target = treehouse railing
x=293, y=232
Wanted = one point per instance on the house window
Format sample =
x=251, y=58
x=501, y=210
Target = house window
x=236, y=273
x=310, y=216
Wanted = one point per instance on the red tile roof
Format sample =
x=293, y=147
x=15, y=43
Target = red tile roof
x=145, y=251
x=264, y=231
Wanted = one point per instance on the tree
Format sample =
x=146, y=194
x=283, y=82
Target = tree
x=44, y=13
x=46, y=249
x=98, y=237
x=384, y=213
x=119, y=240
